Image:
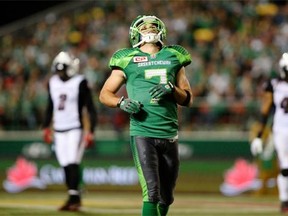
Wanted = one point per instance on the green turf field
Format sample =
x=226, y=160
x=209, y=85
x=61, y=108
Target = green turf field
x=195, y=175
x=129, y=204
x=197, y=193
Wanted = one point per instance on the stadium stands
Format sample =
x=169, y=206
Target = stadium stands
x=234, y=46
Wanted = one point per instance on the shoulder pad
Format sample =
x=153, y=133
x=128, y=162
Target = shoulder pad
x=182, y=54
x=121, y=53
x=122, y=57
x=179, y=49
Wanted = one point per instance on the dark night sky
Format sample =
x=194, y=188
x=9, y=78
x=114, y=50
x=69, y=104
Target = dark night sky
x=13, y=10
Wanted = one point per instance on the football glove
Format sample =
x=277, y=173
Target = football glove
x=256, y=146
x=129, y=105
x=47, y=135
x=89, y=140
x=160, y=90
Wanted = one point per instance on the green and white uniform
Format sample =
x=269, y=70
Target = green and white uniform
x=143, y=71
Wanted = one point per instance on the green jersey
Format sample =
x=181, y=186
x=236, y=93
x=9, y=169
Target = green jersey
x=158, y=117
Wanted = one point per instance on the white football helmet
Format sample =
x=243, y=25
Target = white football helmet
x=64, y=61
x=283, y=64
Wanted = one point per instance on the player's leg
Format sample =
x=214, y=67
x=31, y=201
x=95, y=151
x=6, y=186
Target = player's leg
x=75, y=154
x=168, y=172
x=267, y=165
x=281, y=147
x=67, y=152
x=146, y=162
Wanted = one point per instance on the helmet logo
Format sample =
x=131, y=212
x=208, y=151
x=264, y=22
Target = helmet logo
x=60, y=67
x=64, y=61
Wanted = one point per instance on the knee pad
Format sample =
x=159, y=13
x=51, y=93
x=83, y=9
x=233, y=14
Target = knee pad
x=284, y=172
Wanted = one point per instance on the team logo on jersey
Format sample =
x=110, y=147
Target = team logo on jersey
x=140, y=59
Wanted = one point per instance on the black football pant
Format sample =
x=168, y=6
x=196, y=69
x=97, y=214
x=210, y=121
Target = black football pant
x=157, y=164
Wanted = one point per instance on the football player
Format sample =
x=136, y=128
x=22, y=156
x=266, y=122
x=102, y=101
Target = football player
x=156, y=83
x=276, y=98
x=68, y=95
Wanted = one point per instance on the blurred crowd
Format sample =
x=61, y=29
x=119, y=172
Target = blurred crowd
x=235, y=46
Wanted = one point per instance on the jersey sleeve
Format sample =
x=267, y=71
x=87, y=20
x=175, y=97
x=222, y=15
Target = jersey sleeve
x=267, y=86
x=49, y=110
x=182, y=54
x=121, y=58
x=86, y=99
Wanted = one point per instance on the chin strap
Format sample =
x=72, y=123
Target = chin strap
x=149, y=38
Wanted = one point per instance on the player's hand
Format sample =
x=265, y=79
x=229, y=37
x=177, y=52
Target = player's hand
x=160, y=90
x=256, y=146
x=89, y=140
x=47, y=135
x=130, y=106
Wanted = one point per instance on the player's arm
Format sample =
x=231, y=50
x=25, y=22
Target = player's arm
x=86, y=100
x=181, y=90
x=108, y=92
x=183, y=93
x=266, y=105
x=86, y=95
x=49, y=111
x=47, y=133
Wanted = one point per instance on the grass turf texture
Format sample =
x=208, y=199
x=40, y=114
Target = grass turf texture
x=129, y=204
x=195, y=175
x=197, y=193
